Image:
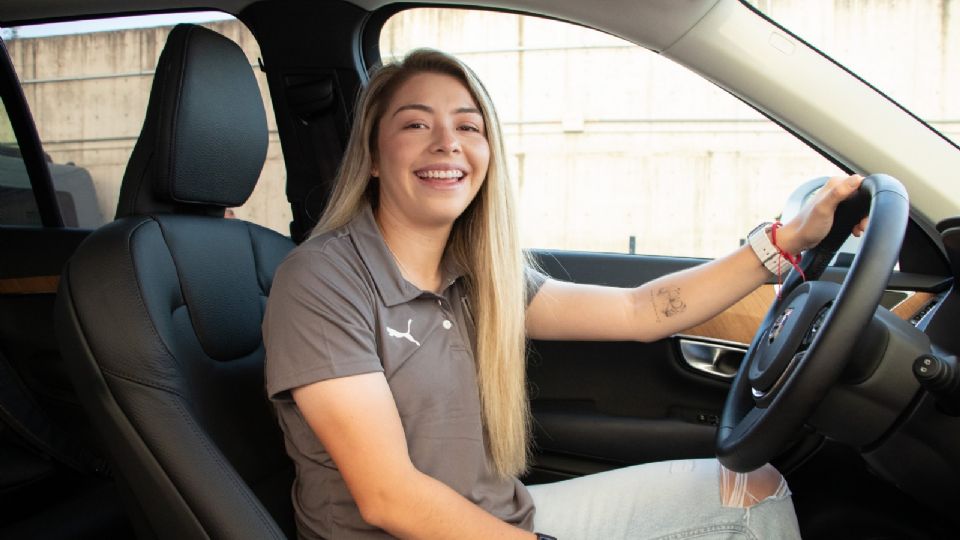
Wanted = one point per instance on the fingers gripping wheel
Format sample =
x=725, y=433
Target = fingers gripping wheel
x=803, y=343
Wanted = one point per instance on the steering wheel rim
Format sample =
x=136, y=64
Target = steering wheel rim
x=801, y=347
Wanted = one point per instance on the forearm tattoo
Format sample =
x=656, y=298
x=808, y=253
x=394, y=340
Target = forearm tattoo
x=667, y=302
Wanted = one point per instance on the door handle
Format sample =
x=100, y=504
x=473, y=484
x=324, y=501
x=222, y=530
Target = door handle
x=715, y=359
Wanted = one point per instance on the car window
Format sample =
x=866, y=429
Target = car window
x=17, y=204
x=87, y=84
x=615, y=148
x=906, y=49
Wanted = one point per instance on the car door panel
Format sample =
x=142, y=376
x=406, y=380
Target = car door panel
x=601, y=405
x=29, y=276
x=619, y=403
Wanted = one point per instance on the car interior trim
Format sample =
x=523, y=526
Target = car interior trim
x=912, y=304
x=30, y=285
x=739, y=322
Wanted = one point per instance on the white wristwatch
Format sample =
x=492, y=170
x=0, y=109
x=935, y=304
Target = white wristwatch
x=768, y=254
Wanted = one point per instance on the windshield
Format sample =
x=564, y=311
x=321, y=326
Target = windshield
x=908, y=49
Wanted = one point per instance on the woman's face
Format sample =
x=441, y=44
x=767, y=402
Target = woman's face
x=432, y=151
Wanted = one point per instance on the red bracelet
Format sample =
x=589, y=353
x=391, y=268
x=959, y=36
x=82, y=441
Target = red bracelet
x=794, y=260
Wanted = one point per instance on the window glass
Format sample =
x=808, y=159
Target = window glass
x=613, y=147
x=17, y=205
x=908, y=49
x=87, y=84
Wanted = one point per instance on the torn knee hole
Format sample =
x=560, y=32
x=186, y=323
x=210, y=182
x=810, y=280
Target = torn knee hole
x=743, y=490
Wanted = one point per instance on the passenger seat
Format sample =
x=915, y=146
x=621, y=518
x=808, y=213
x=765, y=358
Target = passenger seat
x=159, y=312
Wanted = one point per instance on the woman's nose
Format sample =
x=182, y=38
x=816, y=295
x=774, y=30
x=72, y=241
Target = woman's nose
x=446, y=140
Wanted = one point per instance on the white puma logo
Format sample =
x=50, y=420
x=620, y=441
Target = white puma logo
x=406, y=335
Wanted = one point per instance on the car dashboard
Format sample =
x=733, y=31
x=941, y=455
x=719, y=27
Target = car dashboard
x=920, y=453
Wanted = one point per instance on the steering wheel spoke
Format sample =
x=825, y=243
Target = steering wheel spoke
x=764, y=397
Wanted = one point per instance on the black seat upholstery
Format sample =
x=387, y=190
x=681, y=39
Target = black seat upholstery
x=159, y=312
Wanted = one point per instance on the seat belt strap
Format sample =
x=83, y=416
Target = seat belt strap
x=321, y=131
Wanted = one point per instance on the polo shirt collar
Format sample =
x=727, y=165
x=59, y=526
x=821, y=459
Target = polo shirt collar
x=394, y=289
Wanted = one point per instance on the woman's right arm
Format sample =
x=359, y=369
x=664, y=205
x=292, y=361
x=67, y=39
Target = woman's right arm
x=356, y=420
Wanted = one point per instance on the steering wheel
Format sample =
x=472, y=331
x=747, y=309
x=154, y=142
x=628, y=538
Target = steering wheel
x=803, y=344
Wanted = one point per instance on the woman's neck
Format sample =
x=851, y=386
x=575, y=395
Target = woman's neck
x=417, y=250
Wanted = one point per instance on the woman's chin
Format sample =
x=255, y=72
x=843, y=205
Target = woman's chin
x=430, y=212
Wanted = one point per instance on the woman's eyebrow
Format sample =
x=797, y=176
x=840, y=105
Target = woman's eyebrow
x=413, y=107
x=429, y=109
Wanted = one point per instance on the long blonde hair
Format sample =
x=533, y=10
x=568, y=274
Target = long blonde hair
x=484, y=241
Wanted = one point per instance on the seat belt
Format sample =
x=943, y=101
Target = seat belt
x=27, y=419
x=317, y=102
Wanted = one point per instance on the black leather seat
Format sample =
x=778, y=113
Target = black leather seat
x=159, y=312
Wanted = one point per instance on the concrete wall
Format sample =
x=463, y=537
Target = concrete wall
x=606, y=141
x=88, y=95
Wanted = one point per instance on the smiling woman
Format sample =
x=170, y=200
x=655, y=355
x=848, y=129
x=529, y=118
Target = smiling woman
x=389, y=253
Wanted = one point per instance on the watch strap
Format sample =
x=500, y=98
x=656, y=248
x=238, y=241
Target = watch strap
x=769, y=255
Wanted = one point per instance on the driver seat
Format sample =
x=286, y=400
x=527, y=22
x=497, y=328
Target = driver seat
x=159, y=311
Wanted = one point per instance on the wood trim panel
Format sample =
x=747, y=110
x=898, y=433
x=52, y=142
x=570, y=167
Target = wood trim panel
x=740, y=321
x=30, y=285
x=909, y=307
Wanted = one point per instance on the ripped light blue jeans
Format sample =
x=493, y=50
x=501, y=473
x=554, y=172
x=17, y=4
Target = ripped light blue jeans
x=659, y=501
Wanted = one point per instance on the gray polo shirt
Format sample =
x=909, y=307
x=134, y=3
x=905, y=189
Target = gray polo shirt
x=339, y=307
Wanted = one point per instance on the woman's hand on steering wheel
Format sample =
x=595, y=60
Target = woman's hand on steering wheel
x=812, y=224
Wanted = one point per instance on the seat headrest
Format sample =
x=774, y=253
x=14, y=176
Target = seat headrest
x=204, y=139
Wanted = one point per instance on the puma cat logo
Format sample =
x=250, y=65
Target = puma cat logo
x=405, y=335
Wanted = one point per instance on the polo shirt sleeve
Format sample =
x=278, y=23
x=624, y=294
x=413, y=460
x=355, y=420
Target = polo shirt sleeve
x=535, y=279
x=319, y=323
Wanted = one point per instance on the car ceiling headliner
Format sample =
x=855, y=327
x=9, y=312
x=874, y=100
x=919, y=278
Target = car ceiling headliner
x=652, y=23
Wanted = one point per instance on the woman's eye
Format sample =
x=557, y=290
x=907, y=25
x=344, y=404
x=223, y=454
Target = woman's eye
x=470, y=127
x=416, y=125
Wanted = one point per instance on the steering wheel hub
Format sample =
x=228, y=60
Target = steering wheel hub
x=789, y=334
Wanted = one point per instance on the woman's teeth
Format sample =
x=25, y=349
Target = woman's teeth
x=440, y=174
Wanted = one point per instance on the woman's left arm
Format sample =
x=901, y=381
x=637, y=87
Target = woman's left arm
x=675, y=302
